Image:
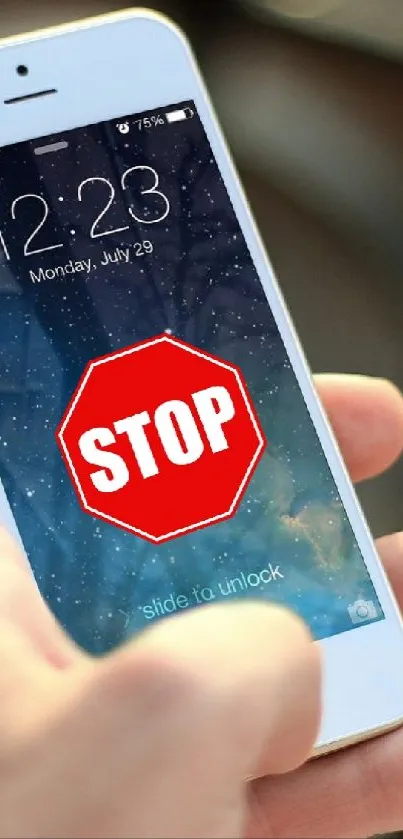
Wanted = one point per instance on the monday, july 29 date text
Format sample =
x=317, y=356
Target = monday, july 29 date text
x=113, y=256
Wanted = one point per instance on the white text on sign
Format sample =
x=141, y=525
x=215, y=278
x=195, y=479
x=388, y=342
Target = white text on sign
x=214, y=407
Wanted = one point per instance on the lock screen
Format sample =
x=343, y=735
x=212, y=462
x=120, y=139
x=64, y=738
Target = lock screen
x=112, y=234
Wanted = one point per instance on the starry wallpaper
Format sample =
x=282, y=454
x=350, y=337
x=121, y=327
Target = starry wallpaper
x=68, y=220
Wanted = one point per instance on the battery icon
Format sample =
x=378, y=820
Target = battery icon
x=179, y=115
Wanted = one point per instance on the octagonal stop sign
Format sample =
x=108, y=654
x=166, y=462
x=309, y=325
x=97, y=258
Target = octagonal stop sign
x=161, y=438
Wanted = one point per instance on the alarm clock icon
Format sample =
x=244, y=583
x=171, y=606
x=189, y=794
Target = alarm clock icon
x=123, y=127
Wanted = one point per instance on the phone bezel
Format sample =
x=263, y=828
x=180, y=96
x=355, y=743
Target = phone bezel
x=125, y=63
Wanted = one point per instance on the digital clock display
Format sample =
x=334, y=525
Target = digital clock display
x=111, y=234
x=150, y=206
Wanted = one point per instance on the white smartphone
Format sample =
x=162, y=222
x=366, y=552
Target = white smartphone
x=79, y=107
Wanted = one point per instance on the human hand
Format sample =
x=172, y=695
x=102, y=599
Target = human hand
x=356, y=792
x=157, y=739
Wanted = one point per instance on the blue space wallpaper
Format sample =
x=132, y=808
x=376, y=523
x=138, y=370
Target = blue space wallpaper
x=122, y=234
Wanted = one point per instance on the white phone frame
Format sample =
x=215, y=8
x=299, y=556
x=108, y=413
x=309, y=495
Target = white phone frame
x=121, y=64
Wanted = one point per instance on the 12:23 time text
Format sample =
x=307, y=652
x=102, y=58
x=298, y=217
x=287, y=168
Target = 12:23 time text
x=151, y=207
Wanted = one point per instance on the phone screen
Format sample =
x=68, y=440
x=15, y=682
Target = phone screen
x=86, y=268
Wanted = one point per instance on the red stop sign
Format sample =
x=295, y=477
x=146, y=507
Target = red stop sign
x=161, y=438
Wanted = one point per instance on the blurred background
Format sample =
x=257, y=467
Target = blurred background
x=310, y=96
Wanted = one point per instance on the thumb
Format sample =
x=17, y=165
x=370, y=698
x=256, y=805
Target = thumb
x=169, y=728
x=260, y=667
x=203, y=702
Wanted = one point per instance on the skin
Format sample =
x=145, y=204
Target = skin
x=157, y=739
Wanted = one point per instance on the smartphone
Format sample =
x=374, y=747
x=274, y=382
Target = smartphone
x=79, y=107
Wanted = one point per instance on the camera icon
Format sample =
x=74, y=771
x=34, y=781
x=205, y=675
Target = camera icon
x=362, y=610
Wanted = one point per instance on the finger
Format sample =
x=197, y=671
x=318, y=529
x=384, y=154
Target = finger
x=23, y=608
x=367, y=418
x=390, y=549
x=353, y=793
x=253, y=664
x=188, y=710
